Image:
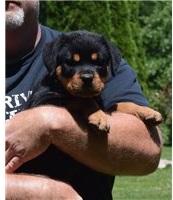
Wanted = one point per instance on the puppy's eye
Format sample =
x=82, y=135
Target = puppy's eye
x=76, y=57
x=94, y=56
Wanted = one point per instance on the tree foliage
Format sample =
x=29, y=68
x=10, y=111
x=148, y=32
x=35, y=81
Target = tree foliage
x=155, y=23
x=142, y=31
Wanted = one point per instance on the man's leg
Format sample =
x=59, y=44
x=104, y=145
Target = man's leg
x=30, y=187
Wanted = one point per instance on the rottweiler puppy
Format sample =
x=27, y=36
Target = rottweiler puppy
x=79, y=64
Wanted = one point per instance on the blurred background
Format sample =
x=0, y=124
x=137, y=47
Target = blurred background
x=142, y=31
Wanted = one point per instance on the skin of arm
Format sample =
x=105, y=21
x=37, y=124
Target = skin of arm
x=129, y=149
x=25, y=187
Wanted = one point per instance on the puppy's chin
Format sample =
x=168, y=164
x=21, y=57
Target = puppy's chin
x=84, y=93
x=80, y=89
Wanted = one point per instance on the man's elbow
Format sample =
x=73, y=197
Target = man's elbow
x=154, y=153
x=138, y=156
x=150, y=157
x=151, y=164
x=143, y=164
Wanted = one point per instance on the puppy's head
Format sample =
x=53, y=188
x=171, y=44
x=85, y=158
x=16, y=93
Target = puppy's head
x=81, y=61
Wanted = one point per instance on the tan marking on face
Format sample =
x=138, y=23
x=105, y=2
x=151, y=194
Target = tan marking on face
x=98, y=83
x=94, y=56
x=76, y=57
x=58, y=71
x=74, y=85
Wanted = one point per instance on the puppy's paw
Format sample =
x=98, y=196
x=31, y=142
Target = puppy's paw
x=150, y=116
x=99, y=121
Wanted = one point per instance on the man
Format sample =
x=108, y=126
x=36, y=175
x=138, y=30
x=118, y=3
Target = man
x=53, y=142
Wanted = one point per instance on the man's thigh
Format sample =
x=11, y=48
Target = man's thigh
x=36, y=187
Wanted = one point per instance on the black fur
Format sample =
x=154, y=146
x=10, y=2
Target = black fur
x=58, y=53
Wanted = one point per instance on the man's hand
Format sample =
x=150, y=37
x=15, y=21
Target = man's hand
x=26, y=137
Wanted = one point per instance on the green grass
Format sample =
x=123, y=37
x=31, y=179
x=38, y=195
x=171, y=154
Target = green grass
x=156, y=186
x=166, y=153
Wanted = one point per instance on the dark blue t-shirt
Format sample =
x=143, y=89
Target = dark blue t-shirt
x=23, y=75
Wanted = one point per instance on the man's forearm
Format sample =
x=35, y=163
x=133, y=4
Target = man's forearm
x=129, y=148
x=27, y=187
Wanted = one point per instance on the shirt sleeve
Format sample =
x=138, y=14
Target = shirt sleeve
x=123, y=87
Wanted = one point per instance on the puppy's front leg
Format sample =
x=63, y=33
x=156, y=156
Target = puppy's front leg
x=97, y=119
x=148, y=115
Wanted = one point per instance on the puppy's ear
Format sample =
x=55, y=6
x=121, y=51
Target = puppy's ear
x=115, y=57
x=51, y=53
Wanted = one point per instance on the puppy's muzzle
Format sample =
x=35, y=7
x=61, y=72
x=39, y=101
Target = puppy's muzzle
x=87, y=76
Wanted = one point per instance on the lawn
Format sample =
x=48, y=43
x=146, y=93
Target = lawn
x=156, y=186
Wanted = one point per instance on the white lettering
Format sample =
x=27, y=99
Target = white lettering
x=11, y=113
x=16, y=100
x=8, y=101
x=23, y=96
x=29, y=93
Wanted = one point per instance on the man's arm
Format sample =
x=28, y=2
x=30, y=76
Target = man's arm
x=22, y=187
x=129, y=149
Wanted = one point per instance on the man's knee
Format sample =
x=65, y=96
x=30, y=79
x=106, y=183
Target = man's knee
x=64, y=191
x=36, y=187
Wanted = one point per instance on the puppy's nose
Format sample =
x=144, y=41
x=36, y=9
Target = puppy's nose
x=87, y=76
